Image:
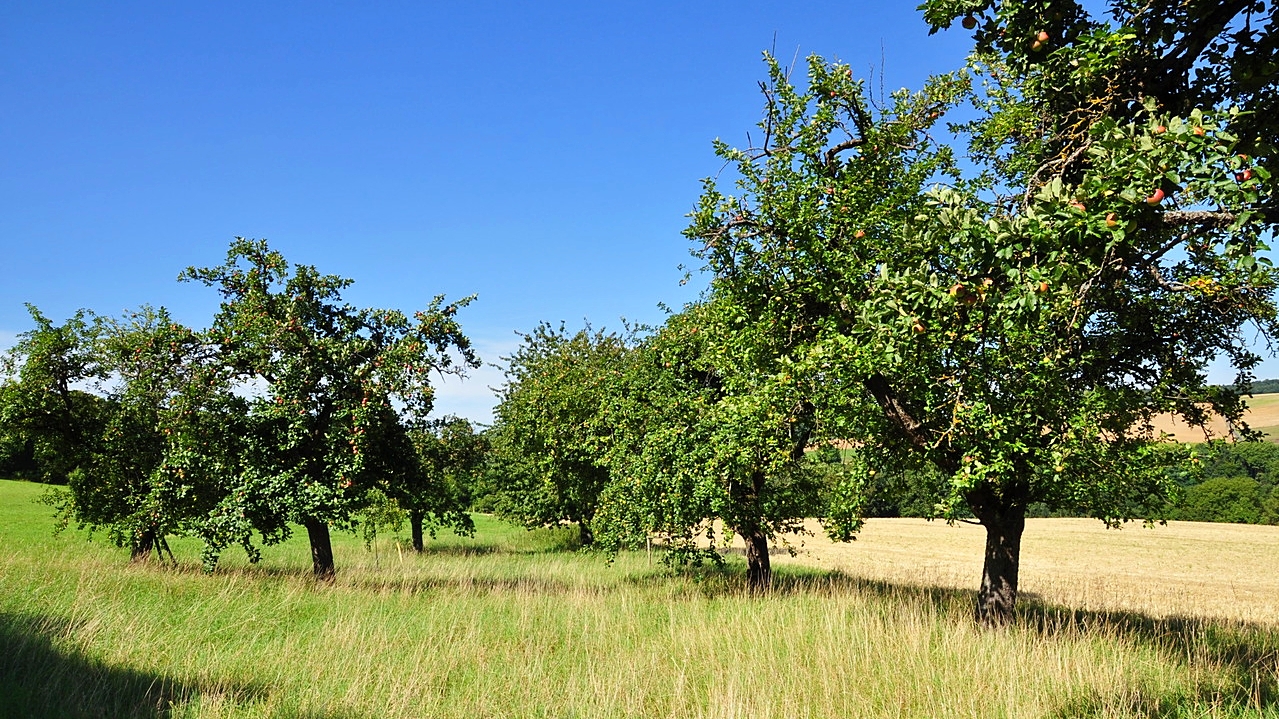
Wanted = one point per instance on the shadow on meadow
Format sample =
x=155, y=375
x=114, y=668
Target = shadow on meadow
x=1236, y=663
x=1245, y=657
x=42, y=678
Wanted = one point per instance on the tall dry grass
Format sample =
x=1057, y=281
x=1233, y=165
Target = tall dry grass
x=509, y=624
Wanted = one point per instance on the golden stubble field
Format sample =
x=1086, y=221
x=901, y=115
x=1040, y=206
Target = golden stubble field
x=1197, y=569
x=1263, y=415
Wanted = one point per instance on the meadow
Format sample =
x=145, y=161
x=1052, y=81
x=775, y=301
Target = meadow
x=516, y=624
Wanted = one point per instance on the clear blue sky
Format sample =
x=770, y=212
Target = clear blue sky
x=540, y=155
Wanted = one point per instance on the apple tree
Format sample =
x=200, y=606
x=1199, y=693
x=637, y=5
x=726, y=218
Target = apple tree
x=105, y=396
x=548, y=426
x=445, y=453
x=327, y=382
x=1016, y=320
x=704, y=439
x=48, y=403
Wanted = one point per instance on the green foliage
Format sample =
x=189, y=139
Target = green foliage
x=448, y=454
x=1264, y=386
x=330, y=381
x=1223, y=499
x=1231, y=482
x=46, y=408
x=1017, y=319
x=704, y=444
x=548, y=432
x=99, y=400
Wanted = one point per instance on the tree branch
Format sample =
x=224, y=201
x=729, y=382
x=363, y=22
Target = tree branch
x=833, y=153
x=1179, y=218
x=897, y=412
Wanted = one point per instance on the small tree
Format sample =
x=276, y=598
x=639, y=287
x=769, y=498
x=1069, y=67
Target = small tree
x=447, y=452
x=700, y=438
x=101, y=398
x=48, y=404
x=547, y=431
x=326, y=378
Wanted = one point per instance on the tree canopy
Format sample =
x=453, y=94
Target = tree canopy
x=1015, y=312
x=549, y=432
x=331, y=381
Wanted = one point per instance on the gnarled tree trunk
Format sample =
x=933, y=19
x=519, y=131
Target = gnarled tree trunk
x=997, y=598
x=143, y=543
x=759, y=570
x=321, y=549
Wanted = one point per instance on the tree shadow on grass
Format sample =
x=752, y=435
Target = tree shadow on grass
x=1235, y=664
x=524, y=584
x=40, y=679
x=1242, y=656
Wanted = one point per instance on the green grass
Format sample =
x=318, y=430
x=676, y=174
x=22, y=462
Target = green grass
x=510, y=624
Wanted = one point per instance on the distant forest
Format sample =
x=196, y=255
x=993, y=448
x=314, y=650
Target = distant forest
x=1263, y=386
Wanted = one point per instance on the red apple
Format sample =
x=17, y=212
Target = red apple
x=1042, y=36
x=1156, y=197
x=859, y=234
x=1160, y=129
x=969, y=22
x=1110, y=220
x=918, y=327
x=1199, y=131
x=1243, y=176
x=1078, y=205
x=1043, y=287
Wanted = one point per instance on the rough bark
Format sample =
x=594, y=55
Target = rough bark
x=997, y=598
x=321, y=549
x=759, y=570
x=415, y=525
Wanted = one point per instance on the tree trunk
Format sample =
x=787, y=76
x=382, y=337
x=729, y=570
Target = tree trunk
x=143, y=543
x=998, y=596
x=321, y=549
x=759, y=570
x=585, y=536
x=415, y=526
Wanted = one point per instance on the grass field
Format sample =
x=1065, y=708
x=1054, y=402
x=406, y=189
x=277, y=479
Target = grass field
x=1263, y=415
x=511, y=625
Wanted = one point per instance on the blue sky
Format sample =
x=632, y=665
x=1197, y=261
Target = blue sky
x=540, y=155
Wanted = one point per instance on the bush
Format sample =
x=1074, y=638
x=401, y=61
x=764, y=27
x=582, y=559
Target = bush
x=1237, y=500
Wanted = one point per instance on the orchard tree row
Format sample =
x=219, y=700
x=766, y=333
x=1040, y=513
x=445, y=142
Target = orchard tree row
x=1004, y=301
x=293, y=409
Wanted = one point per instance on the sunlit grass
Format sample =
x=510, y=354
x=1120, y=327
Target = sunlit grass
x=511, y=624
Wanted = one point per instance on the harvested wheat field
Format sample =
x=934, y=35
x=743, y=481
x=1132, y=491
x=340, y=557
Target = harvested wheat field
x=1225, y=571
x=1263, y=415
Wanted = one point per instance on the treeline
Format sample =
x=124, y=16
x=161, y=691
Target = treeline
x=1262, y=386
